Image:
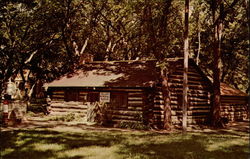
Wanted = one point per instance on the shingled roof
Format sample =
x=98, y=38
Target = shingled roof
x=123, y=74
x=226, y=90
x=110, y=74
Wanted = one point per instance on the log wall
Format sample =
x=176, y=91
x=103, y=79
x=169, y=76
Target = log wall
x=198, y=96
x=158, y=112
x=234, y=108
x=134, y=112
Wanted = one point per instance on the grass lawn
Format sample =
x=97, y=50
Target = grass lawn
x=72, y=143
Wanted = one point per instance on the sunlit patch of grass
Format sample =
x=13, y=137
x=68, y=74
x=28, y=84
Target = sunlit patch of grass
x=91, y=152
x=74, y=142
x=7, y=151
x=225, y=144
x=46, y=147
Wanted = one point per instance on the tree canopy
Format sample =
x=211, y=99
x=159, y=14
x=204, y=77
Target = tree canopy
x=48, y=37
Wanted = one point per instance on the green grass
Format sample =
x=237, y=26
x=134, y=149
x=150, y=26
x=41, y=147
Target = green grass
x=73, y=143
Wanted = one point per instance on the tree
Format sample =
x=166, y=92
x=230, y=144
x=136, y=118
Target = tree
x=218, y=24
x=185, y=69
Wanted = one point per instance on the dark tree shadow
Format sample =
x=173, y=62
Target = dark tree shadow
x=193, y=145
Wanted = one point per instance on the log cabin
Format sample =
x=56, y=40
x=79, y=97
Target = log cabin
x=135, y=92
x=234, y=103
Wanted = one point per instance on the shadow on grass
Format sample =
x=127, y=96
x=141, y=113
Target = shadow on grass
x=194, y=147
x=19, y=144
x=44, y=144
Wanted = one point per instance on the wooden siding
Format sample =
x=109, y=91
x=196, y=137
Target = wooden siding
x=145, y=104
x=198, y=96
x=63, y=108
x=158, y=110
x=234, y=108
x=133, y=112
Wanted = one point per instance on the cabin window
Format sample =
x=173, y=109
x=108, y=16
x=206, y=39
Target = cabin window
x=71, y=95
x=93, y=97
x=119, y=99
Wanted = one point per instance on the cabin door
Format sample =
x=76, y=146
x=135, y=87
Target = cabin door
x=71, y=95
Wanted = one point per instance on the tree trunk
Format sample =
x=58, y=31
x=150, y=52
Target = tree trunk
x=215, y=116
x=185, y=70
x=166, y=99
x=199, y=47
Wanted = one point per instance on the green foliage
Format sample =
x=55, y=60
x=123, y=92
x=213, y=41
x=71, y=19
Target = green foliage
x=133, y=125
x=234, y=44
x=59, y=31
x=138, y=124
x=78, y=142
x=66, y=118
x=100, y=113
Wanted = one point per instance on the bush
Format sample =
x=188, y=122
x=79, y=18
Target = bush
x=99, y=112
x=67, y=118
x=138, y=125
x=133, y=125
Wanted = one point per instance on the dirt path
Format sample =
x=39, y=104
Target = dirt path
x=41, y=122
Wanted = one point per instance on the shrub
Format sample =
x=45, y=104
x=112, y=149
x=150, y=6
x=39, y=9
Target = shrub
x=99, y=112
x=138, y=125
x=67, y=118
x=133, y=125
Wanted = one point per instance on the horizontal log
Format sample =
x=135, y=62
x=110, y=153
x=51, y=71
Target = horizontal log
x=191, y=98
x=52, y=113
x=68, y=107
x=83, y=93
x=198, y=95
x=135, y=102
x=190, y=72
x=159, y=116
x=160, y=101
x=57, y=99
x=159, y=106
x=125, y=120
x=208, y=107
x=135, y=93
x=135, y=98
x=69, y=110
x=234, y=97
x=73, y=103
x=127, y=112
x=175, y=117
x=63, y=103
x=82, y=98
x=158, y=111
x=226, y=102
x=122, y=117
x=190, y=103
x=57, y=92
x=232, y=107
x=190, y=91
x=135, y=108
x=57, y=96
x=191, y=112
x=179, y=82
x=190, y=88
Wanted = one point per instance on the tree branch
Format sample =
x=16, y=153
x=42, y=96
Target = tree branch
x=84, y=46
x=30, y=58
